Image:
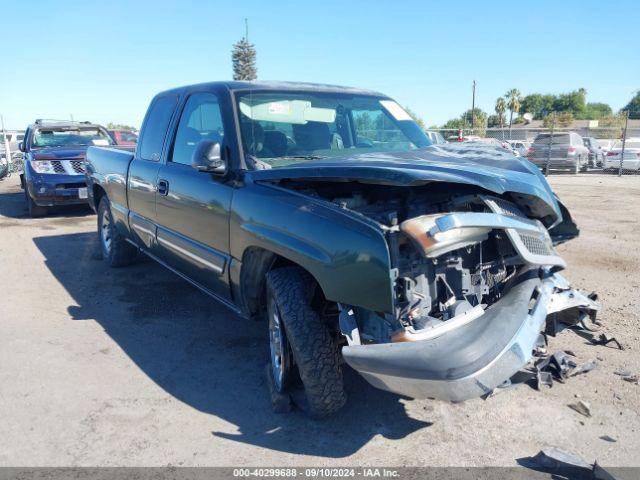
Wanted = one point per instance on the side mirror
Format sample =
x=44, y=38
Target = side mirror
x=207, y=158
x=21, y=147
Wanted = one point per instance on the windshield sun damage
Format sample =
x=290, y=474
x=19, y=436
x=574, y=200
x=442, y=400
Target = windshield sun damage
x=284, y=128
x=60, y=137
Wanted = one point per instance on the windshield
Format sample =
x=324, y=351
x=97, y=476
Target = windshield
x=557, y=139
x=282, y=128
x=67, y=136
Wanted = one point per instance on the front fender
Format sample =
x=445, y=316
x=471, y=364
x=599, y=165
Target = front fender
x=347, y=256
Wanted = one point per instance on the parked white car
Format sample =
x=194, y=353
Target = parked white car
x=606, y=144
x=435, y=137
x=631, y=160
x=519, y=146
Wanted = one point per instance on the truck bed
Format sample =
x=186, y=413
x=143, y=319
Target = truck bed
x=108, y=168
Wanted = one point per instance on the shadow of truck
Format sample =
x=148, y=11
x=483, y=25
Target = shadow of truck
x=205, y=356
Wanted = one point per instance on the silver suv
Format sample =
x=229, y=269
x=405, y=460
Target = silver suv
x=560, y=150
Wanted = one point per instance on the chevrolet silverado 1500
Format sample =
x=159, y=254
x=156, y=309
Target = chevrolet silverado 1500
x=431, y=270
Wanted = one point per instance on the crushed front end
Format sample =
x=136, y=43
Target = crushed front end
x=476, y=280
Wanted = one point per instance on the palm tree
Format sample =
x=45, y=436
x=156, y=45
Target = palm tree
x=501, y=108
x=513, y=104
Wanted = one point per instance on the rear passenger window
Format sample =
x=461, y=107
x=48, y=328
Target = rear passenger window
x=200, y=120
x=155, y=127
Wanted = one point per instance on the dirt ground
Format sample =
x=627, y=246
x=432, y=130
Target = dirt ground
x=135, y=367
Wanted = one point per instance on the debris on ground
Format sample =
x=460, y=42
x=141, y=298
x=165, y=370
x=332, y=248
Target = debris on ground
x=585, y=368
x=607, y=438
x=545, y=370
x=627, y=376
x=604, y=340
x=560, y=463
x=558, y=365
x=583, y=408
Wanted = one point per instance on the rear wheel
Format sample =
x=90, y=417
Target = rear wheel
x=582, y=165
x=116, y=251
x=35, y=210
x=301, y=344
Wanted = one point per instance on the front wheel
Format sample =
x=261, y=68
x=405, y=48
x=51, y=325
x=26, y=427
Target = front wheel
x=116, y=251
x=35, y=211
x=301, y=344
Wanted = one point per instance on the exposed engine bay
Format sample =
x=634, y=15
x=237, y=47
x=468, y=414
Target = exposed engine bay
x=452, y=249
x=459, y=257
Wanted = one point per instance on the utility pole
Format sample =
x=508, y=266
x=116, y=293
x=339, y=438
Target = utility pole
x=624, y=140
x=473, y=108
x=246, y=29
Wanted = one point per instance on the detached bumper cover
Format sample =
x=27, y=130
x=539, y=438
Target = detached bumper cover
x=472, y=360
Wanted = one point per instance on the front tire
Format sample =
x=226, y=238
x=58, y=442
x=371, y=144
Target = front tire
x=116, y=251
x=35, y=211
x=313, y=351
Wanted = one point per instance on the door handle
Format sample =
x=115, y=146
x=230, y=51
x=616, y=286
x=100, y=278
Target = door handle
x=163, y=187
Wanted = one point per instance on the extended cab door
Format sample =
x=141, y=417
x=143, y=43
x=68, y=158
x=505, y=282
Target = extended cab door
x=143, y=171
x=192, y=206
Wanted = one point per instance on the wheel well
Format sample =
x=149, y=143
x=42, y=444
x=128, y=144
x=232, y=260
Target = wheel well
x=256, y=263
x=98, y=193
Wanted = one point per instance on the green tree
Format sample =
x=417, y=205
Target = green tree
x=480, y=121
x=633, y=107
x=513, y=103
x=574, y=102
x=537, y=104
x=454, y=124
x=562, y=120
x=614, y=120
x=596, y=110
x=494, y=121
x=500, y=108
x=243, y=58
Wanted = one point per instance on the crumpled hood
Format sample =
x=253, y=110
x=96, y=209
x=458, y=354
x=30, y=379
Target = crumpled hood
x=485, y=167
x=60, y=153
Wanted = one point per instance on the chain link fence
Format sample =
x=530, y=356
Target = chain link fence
x=611, y=149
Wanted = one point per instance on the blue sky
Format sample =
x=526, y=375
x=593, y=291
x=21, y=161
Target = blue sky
x=103, y=61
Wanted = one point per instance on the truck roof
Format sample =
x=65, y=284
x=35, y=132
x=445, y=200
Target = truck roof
x=61, y=123
x=276, y=86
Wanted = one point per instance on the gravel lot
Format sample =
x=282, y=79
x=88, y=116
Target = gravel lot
x=135, y=367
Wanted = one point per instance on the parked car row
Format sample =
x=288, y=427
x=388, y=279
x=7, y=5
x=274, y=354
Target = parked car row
x=560, y=150
x=568, y=150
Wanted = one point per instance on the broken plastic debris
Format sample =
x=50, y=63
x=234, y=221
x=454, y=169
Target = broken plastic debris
x=627, y=376
x=604, y=340
x=583, y=408
x=555, y=461
x=584, y=368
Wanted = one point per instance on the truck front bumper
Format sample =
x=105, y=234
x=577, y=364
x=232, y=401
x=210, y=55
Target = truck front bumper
x=473, y=359
x=48, y=190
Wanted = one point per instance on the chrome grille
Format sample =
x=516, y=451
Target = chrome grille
x=508, y=208
x=534, y=248
x=58, y=167
x=535, y=245
x=78, y=166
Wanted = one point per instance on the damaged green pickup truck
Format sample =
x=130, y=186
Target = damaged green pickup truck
x=431, y=270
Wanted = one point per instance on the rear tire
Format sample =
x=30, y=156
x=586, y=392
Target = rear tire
x=313, y=350
x=582, y=167
x=116, y=251
x=35, y=211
